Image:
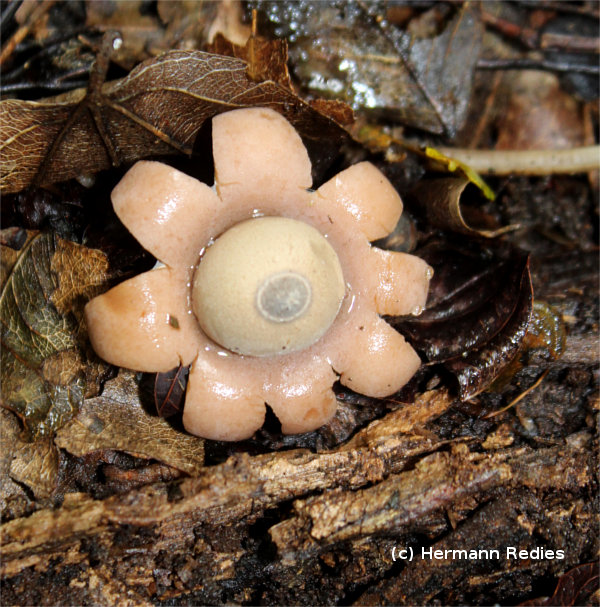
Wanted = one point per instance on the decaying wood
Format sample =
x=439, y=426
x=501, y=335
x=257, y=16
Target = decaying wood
x=100, y=514
x=211, y=539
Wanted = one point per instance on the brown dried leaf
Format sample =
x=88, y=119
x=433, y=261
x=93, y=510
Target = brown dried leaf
x=31, y=464
x=10, y=492
x=169, y=391
x=477, y=314
x=157, y=109
x=117, y=420
x=36, y=465
x=336, y=110
x=440, y=200
x=266, y=59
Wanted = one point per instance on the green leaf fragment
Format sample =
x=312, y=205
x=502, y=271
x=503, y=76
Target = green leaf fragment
x=43, y=368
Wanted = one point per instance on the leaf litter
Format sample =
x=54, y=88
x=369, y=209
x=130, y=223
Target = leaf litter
x=47, y=367
x=350, y=52
x=122, y=121
x=39, y=464
x=478, y=313
x=117, y=122
x=118, y=420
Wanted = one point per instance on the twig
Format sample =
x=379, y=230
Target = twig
x=527, y=36
x=40, y=10
x=528, y=162
x=533, y=40
x=533, y=64
x=521, y=396
x=570, y=43
x=563, y=7
x=7, y=15
x=483, y=118
x=51, y=85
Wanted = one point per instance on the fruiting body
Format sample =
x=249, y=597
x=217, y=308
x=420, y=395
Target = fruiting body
x=268, y=309
x=270, y=285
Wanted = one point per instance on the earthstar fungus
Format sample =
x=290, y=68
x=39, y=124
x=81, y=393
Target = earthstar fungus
x=268, y=289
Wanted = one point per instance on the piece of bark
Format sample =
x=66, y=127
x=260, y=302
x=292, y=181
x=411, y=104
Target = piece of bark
x=241, y=487
x=516, y=521
x=205, y=538
x=406, y=501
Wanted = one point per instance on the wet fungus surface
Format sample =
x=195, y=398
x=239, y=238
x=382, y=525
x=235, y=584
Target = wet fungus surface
x=271, y=291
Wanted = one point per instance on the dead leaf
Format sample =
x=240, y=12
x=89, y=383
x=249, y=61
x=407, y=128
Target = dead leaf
x=336, y=110
x=266, y=59
x=578, y=586
x=479, y=368
x=169, y=391
x=451, y=165
x=117, y=420
x=471, y=297
x=357, y=57
x=477, y=314
x=13, y=497
x=35, y=464
x=23, y=463
x=79, y=271
x=535, y=113
x=440, y=200
x=157, y=109
x=45, y=368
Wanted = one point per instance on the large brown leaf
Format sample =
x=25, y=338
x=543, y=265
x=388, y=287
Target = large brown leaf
x=157, y=109
x=45, y=370
x=117, y=420
x=353, y=54
x=478, y=312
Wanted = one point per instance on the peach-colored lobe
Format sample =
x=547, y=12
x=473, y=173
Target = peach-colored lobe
x=374, y=359
x=144, y=323
x=300, y=392
x=170, y=213
x=400, y=282
x=365, y=194
x=224, y=398
x=260, y=159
